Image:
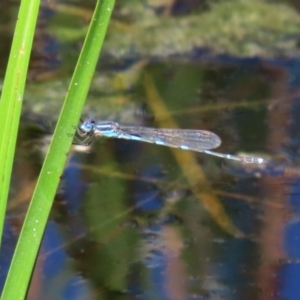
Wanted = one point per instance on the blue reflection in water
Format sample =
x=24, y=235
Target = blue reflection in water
x=290, y=273
x=57, y=281
x=147, y=199
x=57, y=260
x=9, y=242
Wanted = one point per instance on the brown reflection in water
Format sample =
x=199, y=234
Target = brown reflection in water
x=273, y=222
x=177, y=277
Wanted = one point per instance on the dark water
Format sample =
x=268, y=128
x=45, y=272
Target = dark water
x=138, y=221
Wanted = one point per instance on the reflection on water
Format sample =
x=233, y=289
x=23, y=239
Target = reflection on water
x=135, y=220
x=130, y=222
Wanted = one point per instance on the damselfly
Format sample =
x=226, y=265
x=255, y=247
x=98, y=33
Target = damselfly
x=186, y=139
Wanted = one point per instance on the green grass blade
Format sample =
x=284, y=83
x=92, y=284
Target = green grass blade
x=38, y=212
x=12, y=95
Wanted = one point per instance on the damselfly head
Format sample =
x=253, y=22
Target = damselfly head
x=86, y=127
